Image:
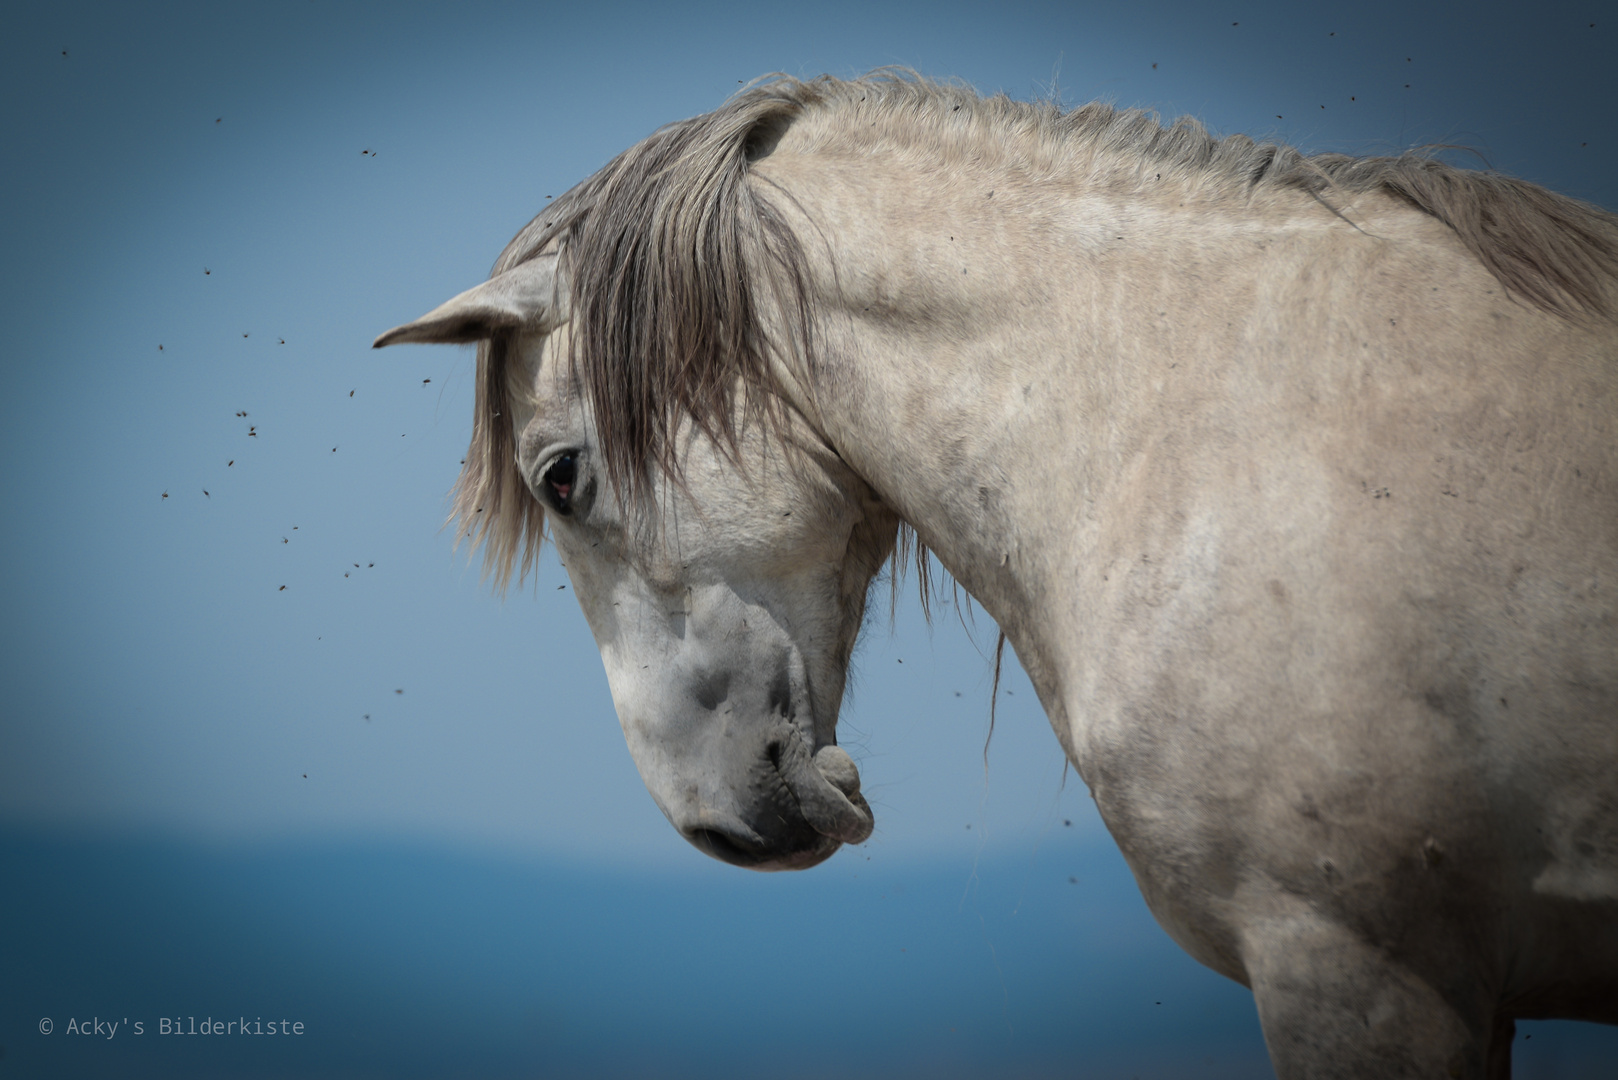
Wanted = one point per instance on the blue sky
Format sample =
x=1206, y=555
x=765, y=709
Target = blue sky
x=214, y=210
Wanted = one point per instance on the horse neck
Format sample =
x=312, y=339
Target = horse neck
x=988, y=355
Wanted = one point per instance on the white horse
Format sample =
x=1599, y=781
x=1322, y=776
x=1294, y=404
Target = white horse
x=1292, y=480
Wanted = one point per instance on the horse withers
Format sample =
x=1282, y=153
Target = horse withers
x=1293, y=480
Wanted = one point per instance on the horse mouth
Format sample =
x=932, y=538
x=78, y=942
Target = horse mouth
x=809, y=807
x=752, y=855
x=826, y=787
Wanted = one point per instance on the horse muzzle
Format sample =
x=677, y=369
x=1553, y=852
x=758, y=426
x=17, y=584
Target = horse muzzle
x=801, y=809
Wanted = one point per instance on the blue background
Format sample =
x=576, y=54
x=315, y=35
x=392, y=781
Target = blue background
x=379, y=801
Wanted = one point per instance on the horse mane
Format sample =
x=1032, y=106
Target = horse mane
x=667, y=247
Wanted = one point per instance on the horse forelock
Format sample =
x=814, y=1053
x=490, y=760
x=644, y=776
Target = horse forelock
x=666, y=250
x=672, y=257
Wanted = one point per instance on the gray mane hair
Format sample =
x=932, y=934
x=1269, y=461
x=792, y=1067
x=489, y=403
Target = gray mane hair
x=667, y=247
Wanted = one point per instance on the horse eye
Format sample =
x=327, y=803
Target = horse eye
x=559, y=478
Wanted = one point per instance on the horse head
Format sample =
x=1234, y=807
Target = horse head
x=725, y=597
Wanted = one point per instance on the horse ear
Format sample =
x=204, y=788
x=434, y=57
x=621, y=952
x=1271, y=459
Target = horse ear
x=529, y=296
